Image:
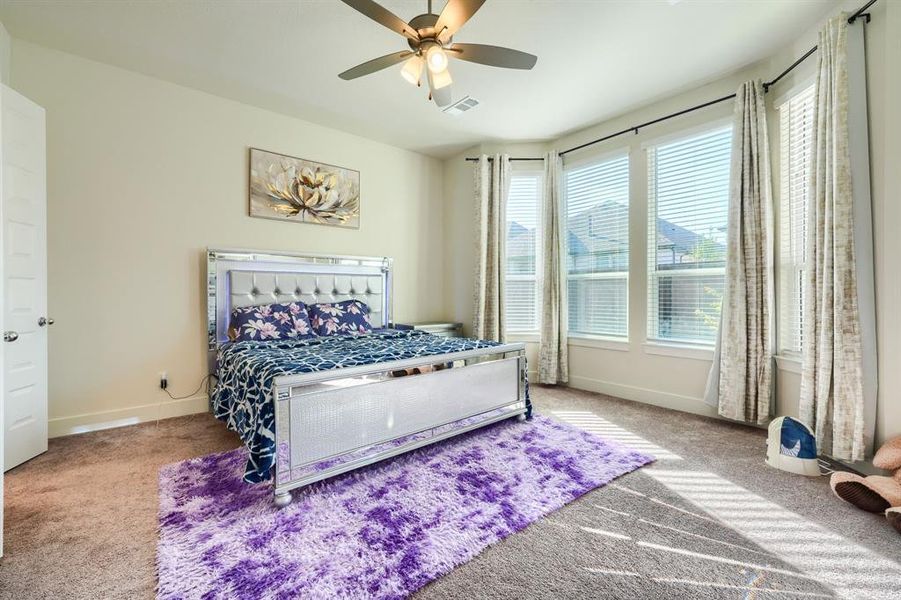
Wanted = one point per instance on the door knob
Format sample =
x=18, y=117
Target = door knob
x=45, y=321
x=10, y=336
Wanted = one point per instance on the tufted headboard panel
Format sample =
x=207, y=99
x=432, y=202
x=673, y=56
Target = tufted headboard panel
x=248, y=277
x=248, y=288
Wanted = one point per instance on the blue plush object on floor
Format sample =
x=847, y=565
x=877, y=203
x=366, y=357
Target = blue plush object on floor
x=796, y=440
x=792, y=447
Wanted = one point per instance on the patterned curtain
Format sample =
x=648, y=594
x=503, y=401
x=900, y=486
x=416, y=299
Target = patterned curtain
x=492, y=181
x=741, y=376
x=553, y=359
x=832, y=400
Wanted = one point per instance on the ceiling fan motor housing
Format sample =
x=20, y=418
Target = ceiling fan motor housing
x=425, y=26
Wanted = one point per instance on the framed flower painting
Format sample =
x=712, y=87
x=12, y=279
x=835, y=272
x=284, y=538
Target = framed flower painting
x=294, y=189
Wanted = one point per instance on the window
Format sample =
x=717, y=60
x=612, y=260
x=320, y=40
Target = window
x=795, y=139
x=597, y=242
x=521, y=285
x=688, y=196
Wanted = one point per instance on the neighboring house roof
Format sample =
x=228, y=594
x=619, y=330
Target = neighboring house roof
x=520, y=241
x=517, y=229
x=575, y=245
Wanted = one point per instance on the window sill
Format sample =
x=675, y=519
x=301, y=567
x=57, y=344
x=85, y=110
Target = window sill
x=603, y=343
x=788, y=363
x=583, y=341
x=679, y=350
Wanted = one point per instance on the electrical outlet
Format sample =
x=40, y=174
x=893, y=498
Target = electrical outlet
x=164, y=380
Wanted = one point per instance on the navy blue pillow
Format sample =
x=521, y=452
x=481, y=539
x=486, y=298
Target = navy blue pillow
x=271, y=322
x=301, y=316
x=340, y=318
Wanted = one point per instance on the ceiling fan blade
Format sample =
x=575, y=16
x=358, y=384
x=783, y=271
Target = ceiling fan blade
x=455, y=15
x=380, y=14
x=376, y=64
x=494, y=56
x=441, y=96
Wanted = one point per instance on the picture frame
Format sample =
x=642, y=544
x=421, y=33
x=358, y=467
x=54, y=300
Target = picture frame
x=288, y=188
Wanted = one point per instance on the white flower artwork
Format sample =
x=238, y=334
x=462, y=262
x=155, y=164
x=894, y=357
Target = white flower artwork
x=293, y=189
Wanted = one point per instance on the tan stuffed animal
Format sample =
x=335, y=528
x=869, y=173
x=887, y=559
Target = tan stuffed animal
x=875, y=493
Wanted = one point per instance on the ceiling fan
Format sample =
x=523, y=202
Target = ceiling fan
x=430, y=38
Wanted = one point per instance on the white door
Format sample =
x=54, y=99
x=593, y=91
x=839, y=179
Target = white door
x=2, y=348
x=24, y=238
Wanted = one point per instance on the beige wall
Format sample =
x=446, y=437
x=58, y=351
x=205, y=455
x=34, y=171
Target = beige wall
x=143, y=175
x=5, y=54
x=635, y=371
x=884, y=79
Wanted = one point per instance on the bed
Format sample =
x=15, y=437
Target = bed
x=313, y=408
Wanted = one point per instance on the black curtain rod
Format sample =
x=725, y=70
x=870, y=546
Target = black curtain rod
x=860, y=12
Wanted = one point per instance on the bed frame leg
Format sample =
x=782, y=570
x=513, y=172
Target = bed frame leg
x=521, y=417
x=282, y=499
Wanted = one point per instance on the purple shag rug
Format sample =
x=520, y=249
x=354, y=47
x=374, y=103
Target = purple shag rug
x=383, y=531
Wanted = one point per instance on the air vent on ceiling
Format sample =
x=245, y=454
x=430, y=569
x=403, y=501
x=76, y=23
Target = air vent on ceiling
x=461, y=106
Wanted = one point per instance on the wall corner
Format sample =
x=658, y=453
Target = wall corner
x=6, y=44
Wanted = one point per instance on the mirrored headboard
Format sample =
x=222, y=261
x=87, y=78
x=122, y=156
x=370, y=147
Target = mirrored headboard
x=249, y=277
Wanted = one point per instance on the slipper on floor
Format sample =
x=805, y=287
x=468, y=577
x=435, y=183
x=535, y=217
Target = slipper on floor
x=872, y=494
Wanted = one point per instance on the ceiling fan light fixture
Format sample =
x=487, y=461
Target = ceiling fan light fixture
x=430, y=38
x=436, y=58
x=412, y=70
x=441, y=79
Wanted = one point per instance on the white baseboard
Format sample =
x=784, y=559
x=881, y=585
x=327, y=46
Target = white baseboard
x=60, y=426
x=648, y=396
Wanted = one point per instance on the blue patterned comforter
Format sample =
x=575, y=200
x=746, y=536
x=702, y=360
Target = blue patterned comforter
x=243, y=394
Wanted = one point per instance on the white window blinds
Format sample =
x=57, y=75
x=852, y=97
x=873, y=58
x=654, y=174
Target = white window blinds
x=795, y=138
x=523, y=227
x=597, y=242
x=688, y=195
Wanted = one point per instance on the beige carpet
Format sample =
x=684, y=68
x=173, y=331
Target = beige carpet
x=708, y=520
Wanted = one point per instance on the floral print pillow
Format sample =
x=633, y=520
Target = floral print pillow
x=342, y=318
x=271, y=322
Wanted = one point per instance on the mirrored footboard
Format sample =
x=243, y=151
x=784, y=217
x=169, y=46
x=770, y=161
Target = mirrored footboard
x=332, y=422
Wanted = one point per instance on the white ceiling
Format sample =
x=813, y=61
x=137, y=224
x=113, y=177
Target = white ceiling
x=596, y=59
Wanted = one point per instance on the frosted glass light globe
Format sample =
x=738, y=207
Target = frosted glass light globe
x=436, y=58
x=412, y=70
